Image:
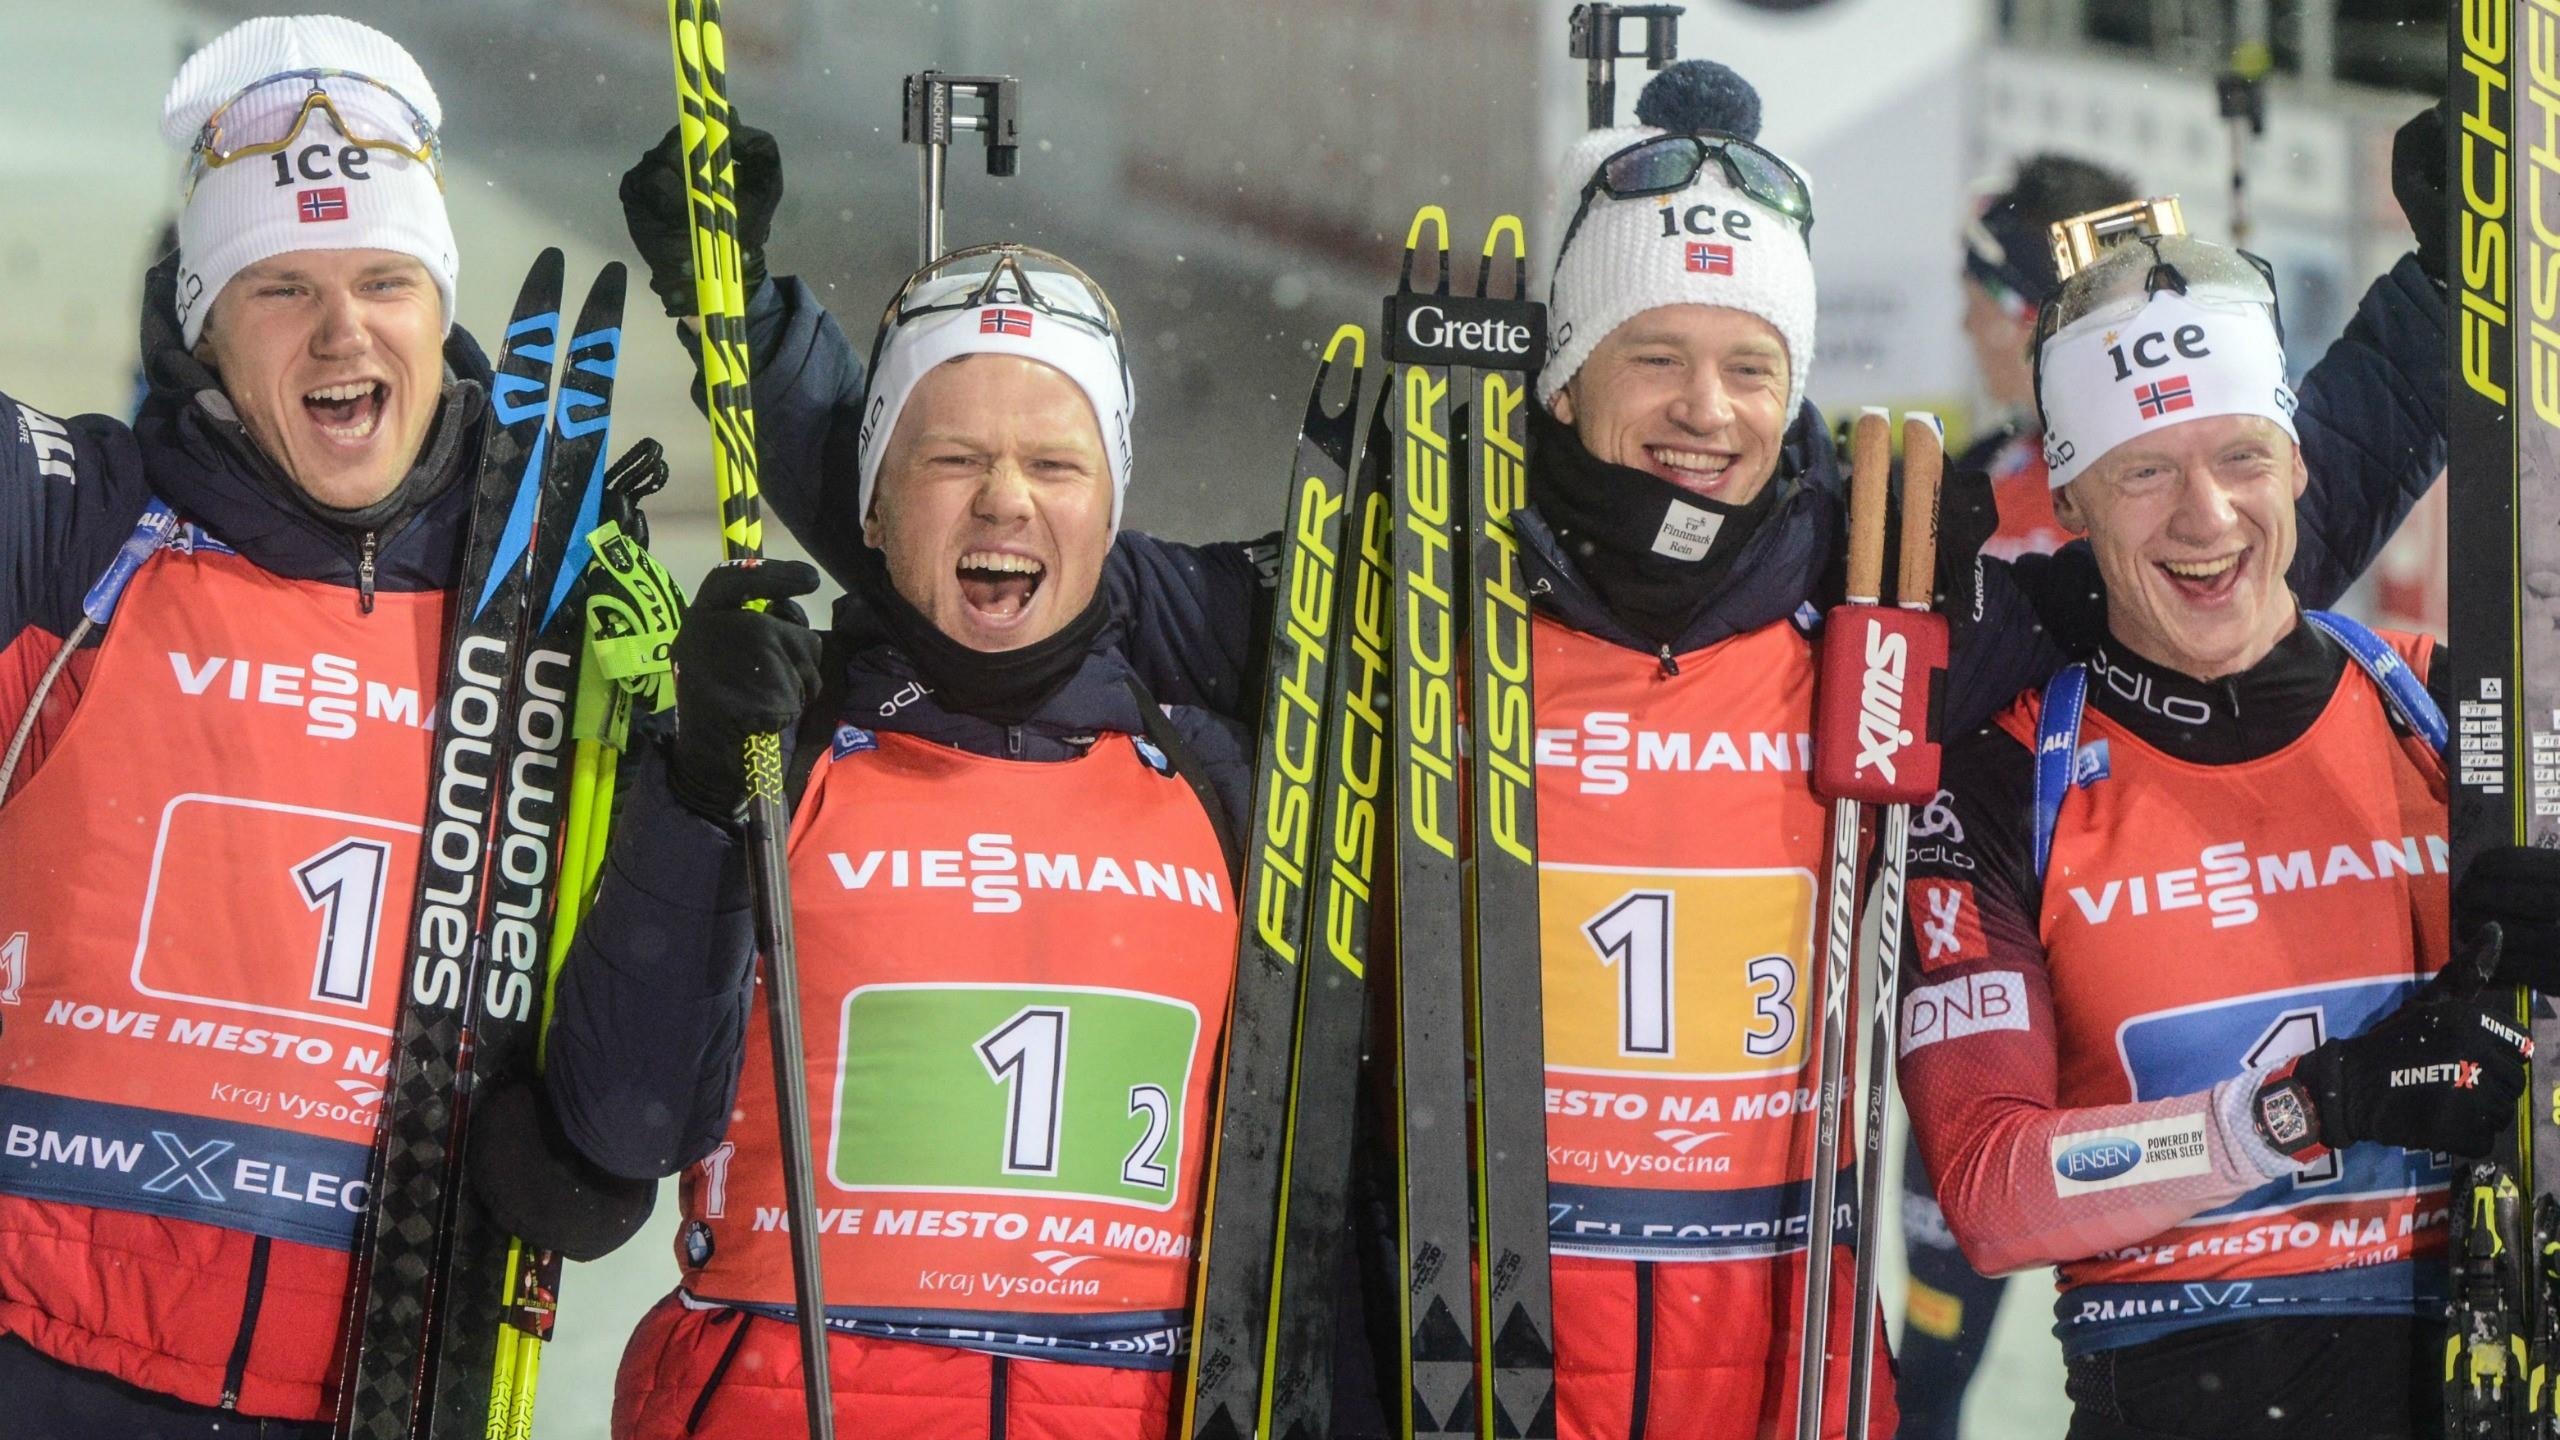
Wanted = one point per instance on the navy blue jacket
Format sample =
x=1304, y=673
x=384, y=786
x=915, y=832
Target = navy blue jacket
x=649, y=1032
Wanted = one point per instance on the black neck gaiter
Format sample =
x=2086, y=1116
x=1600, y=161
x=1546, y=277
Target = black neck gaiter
x=1003, y=686
x=1655, y=553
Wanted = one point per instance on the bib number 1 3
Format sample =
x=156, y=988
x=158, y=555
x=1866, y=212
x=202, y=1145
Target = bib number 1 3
x=1635, y=936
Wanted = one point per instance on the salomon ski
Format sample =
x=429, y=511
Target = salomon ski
x=395, y=1266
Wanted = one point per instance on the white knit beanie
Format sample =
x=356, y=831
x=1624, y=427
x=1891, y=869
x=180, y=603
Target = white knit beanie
x=329, y=196
x=1001, y=324
x=1709, y=244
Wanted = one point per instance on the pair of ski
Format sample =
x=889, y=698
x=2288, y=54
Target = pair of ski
x=434, y=1279
x=2503, y=511
x=1402, y=608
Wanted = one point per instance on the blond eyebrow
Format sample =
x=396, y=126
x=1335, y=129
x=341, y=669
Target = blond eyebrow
x=390, y=264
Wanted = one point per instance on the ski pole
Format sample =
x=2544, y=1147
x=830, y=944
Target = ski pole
x=1870, y=456
x=720, y=294
x=930, y=117
x=1923, y=459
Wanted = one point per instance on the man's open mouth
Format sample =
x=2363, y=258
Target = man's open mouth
x=997, y=584
x=348, y=413
x=1699, y=470
x=2205, y=580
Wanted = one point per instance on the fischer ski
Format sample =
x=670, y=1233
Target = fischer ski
x=1503, y=963
x=1434, y=1241
x=1325, y=1086
x=1240, y=1224
x=2503, y=516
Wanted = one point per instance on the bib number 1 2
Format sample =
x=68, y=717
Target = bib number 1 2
x=1029, y=1053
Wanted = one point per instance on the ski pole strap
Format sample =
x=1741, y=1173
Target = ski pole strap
x=2058, y=766
x=2057, y=752
x=2401, y=689
x=633, y=609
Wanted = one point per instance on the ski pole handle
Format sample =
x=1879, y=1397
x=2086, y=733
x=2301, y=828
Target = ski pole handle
x=1870, y=467
x=1924, y=463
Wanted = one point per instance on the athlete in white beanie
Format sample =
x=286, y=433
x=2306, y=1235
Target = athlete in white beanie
x=1680, y=331
x=316, y=263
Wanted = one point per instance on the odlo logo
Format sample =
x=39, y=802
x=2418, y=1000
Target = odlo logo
x=1881, y=735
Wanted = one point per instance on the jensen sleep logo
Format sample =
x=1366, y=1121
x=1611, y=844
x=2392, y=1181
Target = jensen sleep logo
x=2144, y=1152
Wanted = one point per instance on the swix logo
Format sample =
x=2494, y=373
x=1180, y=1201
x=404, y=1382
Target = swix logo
x=328, y=689
x=1881, y=735
x=1605, y=746
x=1947, y=922
x=995, y=873
x=2229, y=880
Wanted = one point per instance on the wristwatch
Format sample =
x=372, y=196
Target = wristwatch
x=2285, y=1118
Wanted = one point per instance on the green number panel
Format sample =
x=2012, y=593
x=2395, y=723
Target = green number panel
x=1049, y=1090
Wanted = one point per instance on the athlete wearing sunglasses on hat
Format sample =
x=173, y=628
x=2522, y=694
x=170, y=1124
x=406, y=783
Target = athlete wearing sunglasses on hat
x=176, y=842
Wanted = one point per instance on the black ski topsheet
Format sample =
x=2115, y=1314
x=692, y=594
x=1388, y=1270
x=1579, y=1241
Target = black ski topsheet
x=385, y=1370
x=1505, y=1022
x=1426, y=481
x=1240, y=1221
x=523, y=890
x=2487, y=1393
x=1333, y=1008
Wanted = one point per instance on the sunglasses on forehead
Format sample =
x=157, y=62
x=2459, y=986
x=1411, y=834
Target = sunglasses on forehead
x=1667, y=164
x=267, y=119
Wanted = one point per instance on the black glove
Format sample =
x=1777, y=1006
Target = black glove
x=739, y=672
x=653, y=206
x=536, y=1185
x=2442, y=1072
x=2517, y=889
x=2417, y=182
